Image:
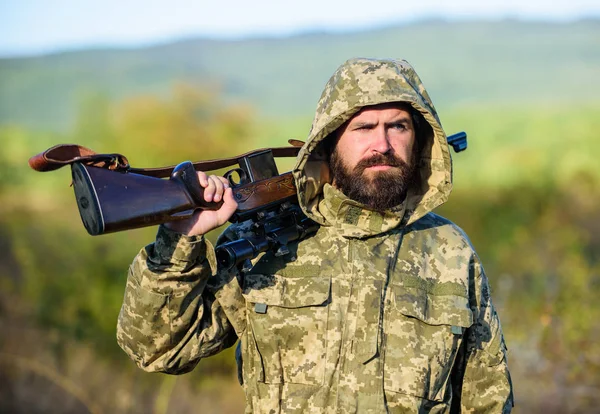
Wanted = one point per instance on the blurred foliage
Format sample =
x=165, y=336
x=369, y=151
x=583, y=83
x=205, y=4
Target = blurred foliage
x=526, y=192
x=155, y=131
x=540, y=249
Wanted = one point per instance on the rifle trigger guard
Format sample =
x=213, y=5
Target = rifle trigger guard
x=231, y=179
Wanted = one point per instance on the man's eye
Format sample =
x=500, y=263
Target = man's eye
x=399, y=127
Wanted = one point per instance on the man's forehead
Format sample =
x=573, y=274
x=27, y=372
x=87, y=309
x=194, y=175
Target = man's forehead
x=391, y=107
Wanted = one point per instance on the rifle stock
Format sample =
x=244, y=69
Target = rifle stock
x=111, y=201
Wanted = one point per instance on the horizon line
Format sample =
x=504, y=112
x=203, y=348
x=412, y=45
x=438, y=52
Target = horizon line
x=41, y=51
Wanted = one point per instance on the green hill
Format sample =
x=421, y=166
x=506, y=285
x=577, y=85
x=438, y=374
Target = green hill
x=460, y=62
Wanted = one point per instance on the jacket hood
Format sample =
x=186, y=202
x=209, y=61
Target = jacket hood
x=355, y=84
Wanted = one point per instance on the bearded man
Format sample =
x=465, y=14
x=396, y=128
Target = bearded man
x=386, y=308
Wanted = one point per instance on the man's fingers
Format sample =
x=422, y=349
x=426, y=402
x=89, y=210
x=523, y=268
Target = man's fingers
x=219, y=188
x=213, y=185
x=216, y=188
x=224, y=180
x=229, y=206
x=202, y=178
x=209, y=190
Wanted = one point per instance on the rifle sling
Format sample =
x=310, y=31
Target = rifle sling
x=66, y=154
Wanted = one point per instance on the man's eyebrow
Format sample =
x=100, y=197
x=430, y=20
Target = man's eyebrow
x=401, y=120
x=362, y=124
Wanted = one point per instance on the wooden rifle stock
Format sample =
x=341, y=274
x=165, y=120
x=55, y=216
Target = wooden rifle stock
x=113, y=196
x=111, y=201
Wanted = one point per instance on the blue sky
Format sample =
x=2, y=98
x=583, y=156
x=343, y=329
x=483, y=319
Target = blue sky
x=41, y=26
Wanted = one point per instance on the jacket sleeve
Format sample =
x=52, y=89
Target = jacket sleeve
x=177, y=308
x=486, y=384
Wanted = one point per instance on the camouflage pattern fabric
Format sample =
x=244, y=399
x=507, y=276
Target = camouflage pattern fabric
x=380, y=312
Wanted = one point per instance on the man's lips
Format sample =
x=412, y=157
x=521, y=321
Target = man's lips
x=380, y=167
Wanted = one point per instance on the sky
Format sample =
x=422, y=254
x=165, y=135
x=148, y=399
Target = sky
x=29, y=27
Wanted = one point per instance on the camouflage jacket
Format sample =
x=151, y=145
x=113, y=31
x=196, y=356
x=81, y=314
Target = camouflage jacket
x=376, y=312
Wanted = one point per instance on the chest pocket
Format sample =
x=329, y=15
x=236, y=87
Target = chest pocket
x=287, y=326
x=423, y=334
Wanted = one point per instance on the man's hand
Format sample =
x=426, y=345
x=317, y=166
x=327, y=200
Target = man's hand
x=215, y=189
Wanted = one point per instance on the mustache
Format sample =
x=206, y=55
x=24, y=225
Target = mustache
x=380, y=159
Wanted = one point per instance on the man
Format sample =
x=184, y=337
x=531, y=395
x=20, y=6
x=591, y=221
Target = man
x=385, y=309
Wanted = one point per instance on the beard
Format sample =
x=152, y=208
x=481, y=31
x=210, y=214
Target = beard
x=384, y=189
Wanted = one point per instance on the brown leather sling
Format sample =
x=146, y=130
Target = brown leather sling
x=66, y=154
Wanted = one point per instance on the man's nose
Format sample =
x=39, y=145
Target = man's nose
x=380, y=141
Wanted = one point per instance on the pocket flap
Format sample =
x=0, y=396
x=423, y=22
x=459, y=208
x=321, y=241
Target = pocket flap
x=286, y=292
x=433, y=309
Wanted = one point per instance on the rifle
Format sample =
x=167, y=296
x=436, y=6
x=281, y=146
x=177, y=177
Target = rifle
x=112, y=196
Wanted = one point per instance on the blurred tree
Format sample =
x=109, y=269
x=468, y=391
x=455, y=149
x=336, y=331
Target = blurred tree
x=191, y=125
